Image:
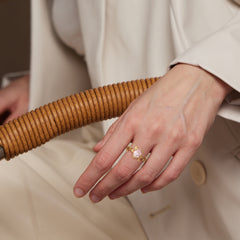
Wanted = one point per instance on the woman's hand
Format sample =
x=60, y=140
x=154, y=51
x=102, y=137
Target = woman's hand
x=14, y=98
x=168, y=121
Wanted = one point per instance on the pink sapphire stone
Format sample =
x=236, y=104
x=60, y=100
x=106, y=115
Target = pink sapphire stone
x=137, y=153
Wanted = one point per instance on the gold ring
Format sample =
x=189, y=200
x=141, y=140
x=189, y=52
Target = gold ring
x=137, y=153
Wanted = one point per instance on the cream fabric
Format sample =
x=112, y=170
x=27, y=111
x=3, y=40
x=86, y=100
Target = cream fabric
x=66, y=24
x=184, y=210
x=126, y=40
x=37, y=201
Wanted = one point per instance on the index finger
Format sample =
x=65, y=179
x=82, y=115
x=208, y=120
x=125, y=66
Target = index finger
x=103, y=161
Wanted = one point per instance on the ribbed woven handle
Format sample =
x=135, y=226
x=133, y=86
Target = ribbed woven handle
x=42, y=124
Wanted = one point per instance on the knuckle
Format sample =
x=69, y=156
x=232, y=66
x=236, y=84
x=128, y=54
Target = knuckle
x=130, y=122
x=146, y=177
x=123, y=173
x=102, y=163
x=111, y=129
x=194, y=140
x=156, y=128
x=100, y=190
x=171, y=176
x=177, y=134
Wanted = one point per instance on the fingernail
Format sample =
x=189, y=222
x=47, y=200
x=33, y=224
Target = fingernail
x=113, y=196
x=98, y=143
x=95, y=198
x=78, y=192
x=144, y=190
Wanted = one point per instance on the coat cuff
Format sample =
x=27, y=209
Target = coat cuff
x=219, y=54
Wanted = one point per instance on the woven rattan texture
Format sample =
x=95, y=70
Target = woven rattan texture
x=42, y=124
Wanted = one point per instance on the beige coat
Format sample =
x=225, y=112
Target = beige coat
x=130, y=39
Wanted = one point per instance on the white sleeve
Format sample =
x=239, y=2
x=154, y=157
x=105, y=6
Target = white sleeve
x=219, y=54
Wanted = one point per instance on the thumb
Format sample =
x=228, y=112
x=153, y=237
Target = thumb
x=19, y=110
x=4, y=116
x=9, y=116
x=5, y=101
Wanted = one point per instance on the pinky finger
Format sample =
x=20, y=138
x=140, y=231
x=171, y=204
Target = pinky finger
x=172, y=172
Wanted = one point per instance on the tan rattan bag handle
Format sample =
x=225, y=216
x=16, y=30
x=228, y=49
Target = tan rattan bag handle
x=42, y=124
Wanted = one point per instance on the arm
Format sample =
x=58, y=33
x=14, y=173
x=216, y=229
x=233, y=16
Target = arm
x=219, y=54
x=169, y=120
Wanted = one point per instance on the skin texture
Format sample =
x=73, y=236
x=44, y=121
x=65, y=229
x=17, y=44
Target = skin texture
x=169, y=121
x=14, y=98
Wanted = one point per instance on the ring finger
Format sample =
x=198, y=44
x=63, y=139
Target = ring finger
x=158, y=159
x=122, y=171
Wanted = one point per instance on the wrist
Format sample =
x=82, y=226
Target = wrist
x=211, y=85
x=219, y=89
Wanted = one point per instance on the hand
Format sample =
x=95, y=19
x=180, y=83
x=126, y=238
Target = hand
x=14, y=98
x=169, y=121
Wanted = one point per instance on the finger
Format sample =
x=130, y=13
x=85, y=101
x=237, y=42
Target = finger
x=110, y=131
x=172, y=172
x=17, y=111
x=122, y=171
x=12, y=116
x=4, y=116
x=103, y=161
x=4, y=104
x=9, y=118
x=158, y=159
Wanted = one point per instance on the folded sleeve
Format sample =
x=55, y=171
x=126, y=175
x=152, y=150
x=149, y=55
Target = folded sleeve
x=219, y=54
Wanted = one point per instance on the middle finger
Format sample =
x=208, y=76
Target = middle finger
x=158, y=159
x=122, y=171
